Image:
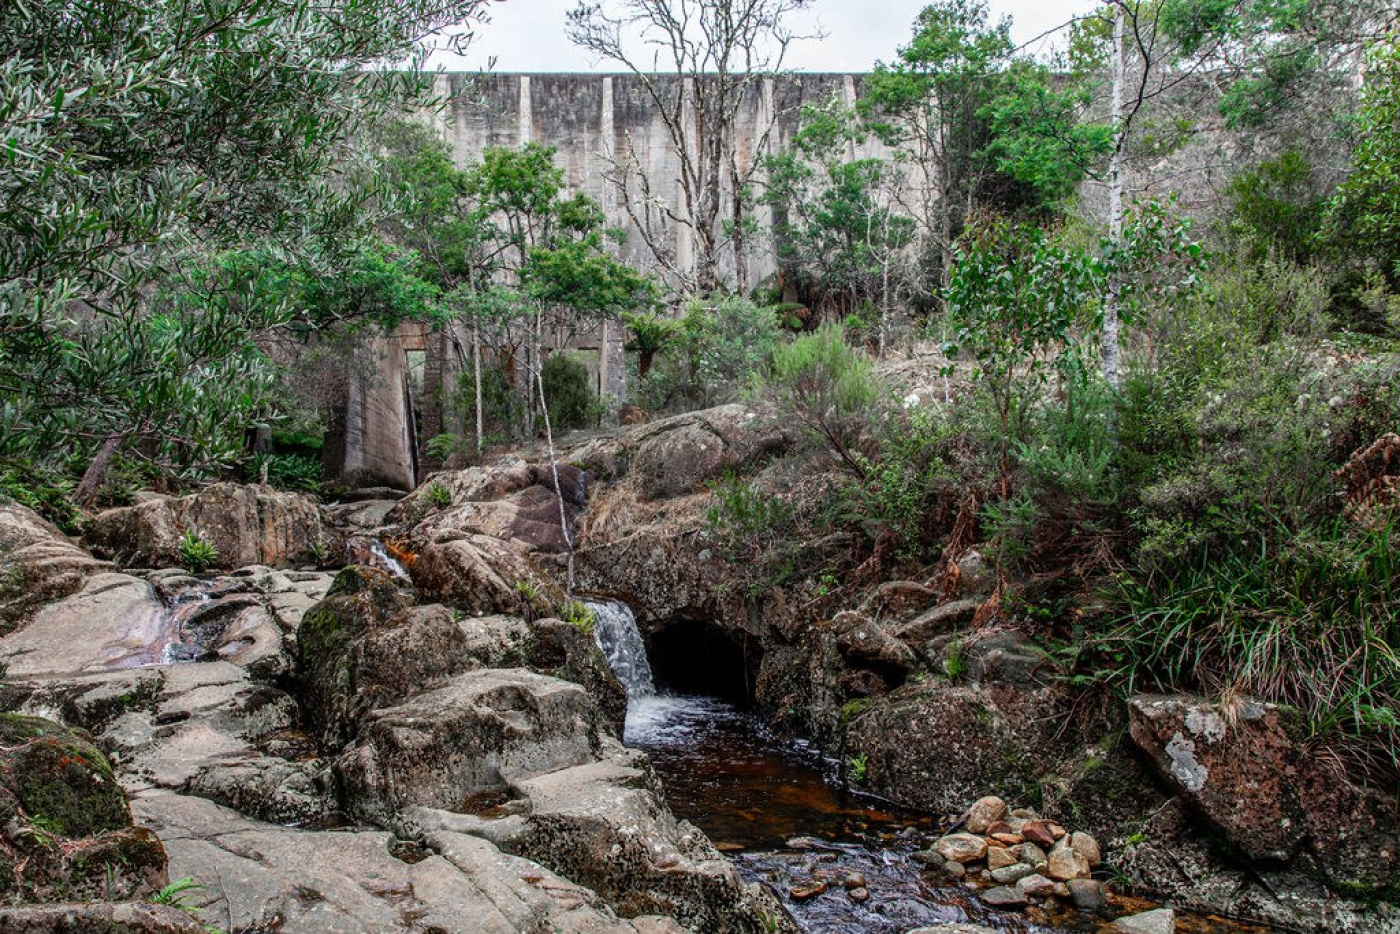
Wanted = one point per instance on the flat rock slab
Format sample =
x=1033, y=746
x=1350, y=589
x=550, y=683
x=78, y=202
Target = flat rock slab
x=115, y=621
x=263, y=876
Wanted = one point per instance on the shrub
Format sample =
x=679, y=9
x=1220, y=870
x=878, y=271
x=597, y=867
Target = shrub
x=437, y=494
x=568, y=391
x=579, y=614
x=829, y=387
x=722, y=347
x=197, y=554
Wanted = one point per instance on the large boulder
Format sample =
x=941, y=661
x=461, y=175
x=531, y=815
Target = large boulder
x=38, y=565
x=69, y=833
x=512, y=501
x=464, y=741
x=680, y=455
x=246, y=524
x=481, y=575
x=1251, y=774
x=971, y=741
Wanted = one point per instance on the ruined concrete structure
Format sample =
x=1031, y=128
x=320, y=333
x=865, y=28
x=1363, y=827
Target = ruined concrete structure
x=594, y=122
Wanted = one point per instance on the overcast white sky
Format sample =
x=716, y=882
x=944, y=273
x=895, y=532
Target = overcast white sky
x=528, y=35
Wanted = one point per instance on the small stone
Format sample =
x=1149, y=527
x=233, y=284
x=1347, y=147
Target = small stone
x=1087, y=847
x=1004, y=896
x=1087, y=894
x=859, y=894
x=1160, y=921
x=1039, y=833
x=1016, y=824
x=1009, y=875
x=999, y=857
x=931, y=858
x=962, y=847
x=1065, y=864
x=1036, y=886
x=1009, y=839
x=1032, y=854
x=955, y=870
x=807, y=890
x=803, y=843
x=854, y=880
x=730, y=847
x=984, y=813
x=1000, y=826
x=1024, y=814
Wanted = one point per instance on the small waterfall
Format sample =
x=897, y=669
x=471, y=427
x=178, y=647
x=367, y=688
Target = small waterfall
x=617, y=635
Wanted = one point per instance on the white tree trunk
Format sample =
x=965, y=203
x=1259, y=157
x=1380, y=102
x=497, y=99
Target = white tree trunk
x=1112, y=367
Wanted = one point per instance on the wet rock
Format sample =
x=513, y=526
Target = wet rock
x=954, y=929
x=113, y=621
x=1035, y=885
x=859, y=894
x=984, y=813
x=98, y=918
x=962, y=848
x=1160, y=921
x=247, y=525
x=1004, y=896
x=854, y=880
x=1087, y=894
x=807, y=890
x=565, y=651
x=931, y=858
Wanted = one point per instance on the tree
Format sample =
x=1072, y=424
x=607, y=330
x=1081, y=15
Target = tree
x=987, y=129
x=141, y=141
x=1367, y=207
x=708, y=58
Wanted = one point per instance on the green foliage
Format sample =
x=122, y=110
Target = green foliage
x=197, y=554
x=50, y=497
x=723, y=346
x=438, y=495
x=580, y=615
x=1367, y=206
x=299, y=472
x=827, y=386
x=859, y=768
x=904, y=476
x=1276, y=207
x=568, y=391
x=651, y=334
x=747, y=517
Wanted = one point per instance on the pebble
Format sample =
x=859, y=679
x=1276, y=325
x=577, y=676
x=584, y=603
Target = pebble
x=1087, y=847
x=1024, y=814
x=1065, y=864
x=984, y=813
x=1003, y=896
x=854, y=880
x=1037, y=886
x=1161, y=921
x=1008, y=875
x=1010, y=839
x=962, y=847
x=1039, y=833
x=931, y=858
x=955, y=870
x=1030, y=853
x=803, y=843
x=1000, y=857
x=808, y=890
x=999, y=827
x=859, y=894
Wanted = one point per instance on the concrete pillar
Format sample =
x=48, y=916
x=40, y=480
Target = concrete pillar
x=526, y=115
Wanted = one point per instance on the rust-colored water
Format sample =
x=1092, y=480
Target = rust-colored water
x=754, y=795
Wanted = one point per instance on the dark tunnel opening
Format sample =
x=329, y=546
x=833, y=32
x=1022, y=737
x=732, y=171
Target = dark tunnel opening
x=695, y=657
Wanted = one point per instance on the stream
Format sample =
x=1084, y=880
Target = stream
x=842, y=862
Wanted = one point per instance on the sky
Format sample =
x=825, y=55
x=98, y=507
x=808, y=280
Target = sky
x=528, y=35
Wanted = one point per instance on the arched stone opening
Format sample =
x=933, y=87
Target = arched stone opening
x=697, y=657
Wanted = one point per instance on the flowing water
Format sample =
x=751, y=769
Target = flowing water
x=780, y=811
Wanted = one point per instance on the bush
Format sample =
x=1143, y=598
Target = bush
x=197, y=555
x=568, y=391
x=829, y=387
x=502, y=413
x=721, y=350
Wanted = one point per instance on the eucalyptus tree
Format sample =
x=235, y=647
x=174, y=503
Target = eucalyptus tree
x=699, y=62
x=139, y=139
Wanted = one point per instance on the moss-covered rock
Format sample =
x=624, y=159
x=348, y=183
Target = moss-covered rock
x=58, y=778
x=69, y=830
